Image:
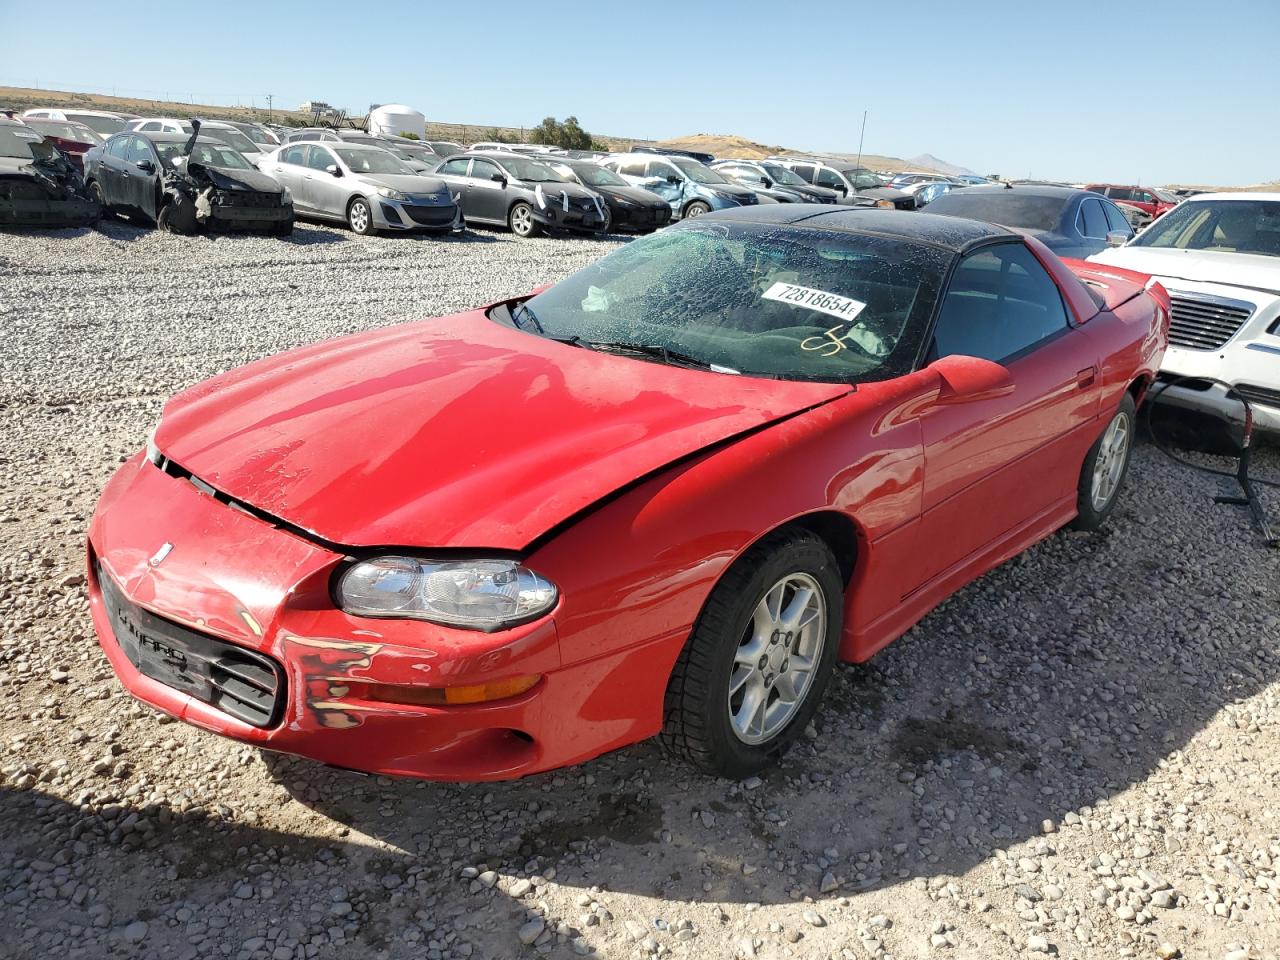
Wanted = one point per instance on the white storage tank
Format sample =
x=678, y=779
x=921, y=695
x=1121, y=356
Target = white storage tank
x=393, y=119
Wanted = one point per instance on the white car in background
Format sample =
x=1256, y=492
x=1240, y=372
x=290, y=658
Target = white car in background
x=213, y=129
x=1218, y=255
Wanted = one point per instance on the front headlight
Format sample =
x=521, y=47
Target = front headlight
x=885, y=204
x=725, y=196
x=484, y=594
x=391, y=194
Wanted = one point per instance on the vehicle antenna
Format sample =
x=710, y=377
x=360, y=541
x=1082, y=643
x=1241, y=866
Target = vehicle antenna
x=861, y=136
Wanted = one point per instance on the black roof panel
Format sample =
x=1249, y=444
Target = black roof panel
x=954, y=233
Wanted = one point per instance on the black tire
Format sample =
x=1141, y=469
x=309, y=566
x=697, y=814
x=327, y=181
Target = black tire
x=696, y=209
x=520, y=220
x=360, y=217
x=1094, y=507
x=697, y=713
x=284, y=229
x=163, y=221
x=95, y=192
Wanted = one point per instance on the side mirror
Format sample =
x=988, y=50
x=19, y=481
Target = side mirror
x=1117, y=238
x=146, y=166
x=498, y=178
x=766, y=182
x=841, y=188
x=966, y=379
x=672, y=178
x=333, y=170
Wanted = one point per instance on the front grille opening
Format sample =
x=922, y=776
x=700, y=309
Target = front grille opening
x=245, y=687
x=1205, y=323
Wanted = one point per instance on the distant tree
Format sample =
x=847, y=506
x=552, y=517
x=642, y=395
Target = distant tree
x=494, y=135
x=410, y=135
x=568, y=135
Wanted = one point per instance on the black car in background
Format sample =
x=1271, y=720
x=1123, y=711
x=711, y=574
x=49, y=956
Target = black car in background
x=765, y=175
x=630, y=208
x=520, y=192
x=182, y=183
x=1070, y=222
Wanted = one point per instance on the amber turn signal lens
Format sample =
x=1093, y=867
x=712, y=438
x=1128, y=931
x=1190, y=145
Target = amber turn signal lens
x=449, y=696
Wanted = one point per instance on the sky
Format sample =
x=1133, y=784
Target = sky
x=1148, y=92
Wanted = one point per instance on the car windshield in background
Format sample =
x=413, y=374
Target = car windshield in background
x=591, y=174
x=15, y=142
x=233, y=137
x=1234, y=226
x=532, y=171
x=783, y=176
x=372, y=161
x=1009, y=208
x=697, y=172
x=103, y=125
x=444, y=149
x=796, y=304
x=861, y=179
x=67, y=131
x=260, y=137
x=209, y=154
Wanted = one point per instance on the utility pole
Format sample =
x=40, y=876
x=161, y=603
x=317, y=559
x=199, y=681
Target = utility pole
x=861, y=137
x=270, y=116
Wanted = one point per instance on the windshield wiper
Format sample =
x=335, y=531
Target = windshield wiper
x=657, y=351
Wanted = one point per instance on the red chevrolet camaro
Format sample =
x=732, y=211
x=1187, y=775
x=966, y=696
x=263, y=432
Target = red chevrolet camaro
x=664, y=495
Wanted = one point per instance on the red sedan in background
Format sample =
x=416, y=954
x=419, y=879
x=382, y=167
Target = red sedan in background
x=663, y=495
x=1144, y=198
x=73, y=139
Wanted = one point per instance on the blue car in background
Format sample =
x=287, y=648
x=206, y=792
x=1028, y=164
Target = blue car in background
x=692, y=188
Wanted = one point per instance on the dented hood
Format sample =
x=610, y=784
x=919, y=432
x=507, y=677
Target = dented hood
x=225, y=178
x=454, y=432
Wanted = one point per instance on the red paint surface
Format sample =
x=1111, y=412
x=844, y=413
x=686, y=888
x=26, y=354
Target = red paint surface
x=631, y=485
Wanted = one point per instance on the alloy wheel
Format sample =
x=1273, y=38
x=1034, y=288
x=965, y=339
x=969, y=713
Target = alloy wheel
x=1110, y=462
x=359, y=216
x=522, y=220
x=776, y=660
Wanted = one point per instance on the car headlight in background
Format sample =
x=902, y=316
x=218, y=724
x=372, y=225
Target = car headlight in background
x=485, y=594
x=391, y=194
x=726, y=196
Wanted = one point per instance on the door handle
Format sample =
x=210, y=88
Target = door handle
x=1086, y=377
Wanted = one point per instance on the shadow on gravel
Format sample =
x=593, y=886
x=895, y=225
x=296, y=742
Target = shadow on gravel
x=1052, y=684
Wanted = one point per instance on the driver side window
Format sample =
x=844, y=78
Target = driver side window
x=318, y=158
x=828, y=178
x=456, y=167
x=139, y=150
x=1001, y=302
x=483, y=169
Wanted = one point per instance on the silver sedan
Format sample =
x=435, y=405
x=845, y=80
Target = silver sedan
x=365, y=186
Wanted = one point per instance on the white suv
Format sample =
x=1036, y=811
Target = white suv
x=105, y=122
x=1218, y=255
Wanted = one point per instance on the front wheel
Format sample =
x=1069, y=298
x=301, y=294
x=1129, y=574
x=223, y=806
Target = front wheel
x=1105, y=467
x=360, y=217
x=759, y=659
x=521, y=221
x=696, y=209
x=95, y=193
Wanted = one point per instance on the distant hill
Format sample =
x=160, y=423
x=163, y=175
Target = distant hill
x=730, y=145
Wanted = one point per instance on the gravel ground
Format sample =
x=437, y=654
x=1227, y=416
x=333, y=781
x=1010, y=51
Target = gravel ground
x=1079, y=755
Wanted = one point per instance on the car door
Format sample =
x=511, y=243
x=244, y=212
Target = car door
x=326, y=194
x=487, y=198
x=111, y=171
x=660, y=172
x=141, y=174
x=999, y=464
x=454, y=174
x=288, y=169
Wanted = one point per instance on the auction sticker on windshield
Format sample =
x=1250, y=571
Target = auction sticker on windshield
x=844, y=307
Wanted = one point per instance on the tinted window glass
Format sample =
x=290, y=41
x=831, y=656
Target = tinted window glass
x=804, y=171
x=294, y=155
x=118, y=146
x=1115, y=219
x=318, y=158
x=139, y=150
x=1012, y=208
x=632, y=168
x=1000, y=302
x=1120, y=193
x=484, y=169
x=457, y=167
x=828, y=178
x=659, y=168
x=1095, y=221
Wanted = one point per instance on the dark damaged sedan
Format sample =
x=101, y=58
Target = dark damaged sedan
x=183, y=183
x=39, y=185
x=629, y=208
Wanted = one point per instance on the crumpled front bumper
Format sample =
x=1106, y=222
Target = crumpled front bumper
x=25, y=202
x=236, y=578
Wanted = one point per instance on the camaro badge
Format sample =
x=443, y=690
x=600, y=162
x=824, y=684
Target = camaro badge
x=158, y=557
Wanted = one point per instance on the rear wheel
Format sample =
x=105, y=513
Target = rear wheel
x=284, y=229
x=1105, y=467
x=521, y=221
x=360, y=217
x=696, y=209
x=759, y=659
